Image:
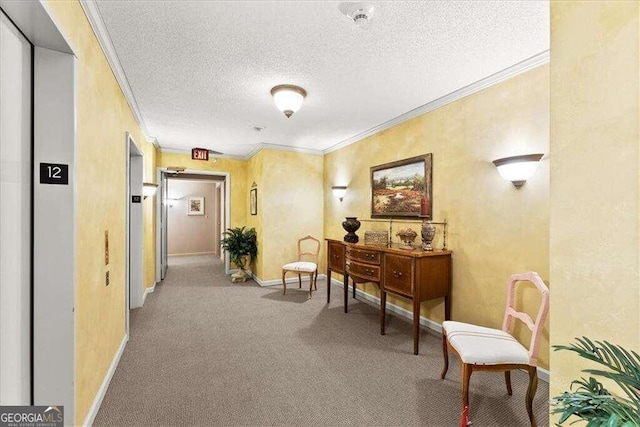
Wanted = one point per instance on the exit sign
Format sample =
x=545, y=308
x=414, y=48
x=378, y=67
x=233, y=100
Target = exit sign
x=199, y=154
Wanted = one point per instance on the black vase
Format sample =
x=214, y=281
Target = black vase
x=351, y=225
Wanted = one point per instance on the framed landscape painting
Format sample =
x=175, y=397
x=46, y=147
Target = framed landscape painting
x=402, y=188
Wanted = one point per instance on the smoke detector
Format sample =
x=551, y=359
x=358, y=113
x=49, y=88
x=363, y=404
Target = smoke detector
x=359, y=13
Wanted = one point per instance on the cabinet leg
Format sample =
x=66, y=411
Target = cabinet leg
x=346, y=293
x=416, y=325
x=328, y=286
x=383, y=309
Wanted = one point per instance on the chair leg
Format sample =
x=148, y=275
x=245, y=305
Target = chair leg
x=531, y=392
x=445, y=354
x=284, y=284
x=464, y=420
x=299, y=281
x=315, y=280
x=507, y=380
x=466, y=376
x=310, y=285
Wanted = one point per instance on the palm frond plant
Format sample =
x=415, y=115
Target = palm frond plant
x=240, y=242
x=589, y=400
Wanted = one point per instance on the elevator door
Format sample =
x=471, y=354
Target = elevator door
x=15, y=215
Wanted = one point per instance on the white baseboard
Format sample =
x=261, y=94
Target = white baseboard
x=543, y=374
x=147, y=291
x=95, y=407
x=193, y=253
x=275, y=282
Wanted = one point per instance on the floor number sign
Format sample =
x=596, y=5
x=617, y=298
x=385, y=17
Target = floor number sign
x=54, y=173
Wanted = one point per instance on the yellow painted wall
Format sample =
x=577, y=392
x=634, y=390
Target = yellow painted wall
x=255, y=173
x=594, y=233
x=237, y=169
x=103, y=118
x=150, y=156
x=494, y=230
x=292, y=206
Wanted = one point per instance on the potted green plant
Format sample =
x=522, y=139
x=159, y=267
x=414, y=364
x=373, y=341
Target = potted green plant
x=242, y=246
x=590, y=400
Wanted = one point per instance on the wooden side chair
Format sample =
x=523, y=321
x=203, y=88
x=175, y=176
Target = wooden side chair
x=308, y=248
x=487, y=349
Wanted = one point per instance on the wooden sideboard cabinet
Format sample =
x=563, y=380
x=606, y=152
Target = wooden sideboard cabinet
x=416, y=275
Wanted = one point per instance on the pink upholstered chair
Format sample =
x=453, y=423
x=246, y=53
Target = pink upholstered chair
x=487, y=349
x=308, y=248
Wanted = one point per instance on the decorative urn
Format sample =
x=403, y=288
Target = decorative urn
x=428, y=233
x=351, y=225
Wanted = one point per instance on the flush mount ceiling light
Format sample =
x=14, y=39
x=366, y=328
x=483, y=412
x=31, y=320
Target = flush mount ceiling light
x=359, y=13
x=518, y=169
x=288, y=98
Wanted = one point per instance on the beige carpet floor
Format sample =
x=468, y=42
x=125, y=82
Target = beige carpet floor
x=204, y=351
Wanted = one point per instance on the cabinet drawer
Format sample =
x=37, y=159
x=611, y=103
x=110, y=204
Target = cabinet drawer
x=398, y=271
x=336, y=257
x=364, y=255
x=363, y=271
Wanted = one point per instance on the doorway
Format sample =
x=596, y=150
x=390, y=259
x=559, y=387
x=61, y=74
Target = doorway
x=193, y=212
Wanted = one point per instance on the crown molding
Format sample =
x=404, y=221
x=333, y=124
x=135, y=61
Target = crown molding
x=264, y=145
x=104, y=40
x=256, y=150
x=519, y=68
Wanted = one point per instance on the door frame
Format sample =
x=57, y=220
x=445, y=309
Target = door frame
x=134, y=292
x=159, y=205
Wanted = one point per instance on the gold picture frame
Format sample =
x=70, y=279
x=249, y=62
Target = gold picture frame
x=402, y=188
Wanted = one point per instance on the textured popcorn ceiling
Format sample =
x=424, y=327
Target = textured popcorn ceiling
x=201, y=71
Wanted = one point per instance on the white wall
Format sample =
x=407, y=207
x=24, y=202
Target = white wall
x=192, y=234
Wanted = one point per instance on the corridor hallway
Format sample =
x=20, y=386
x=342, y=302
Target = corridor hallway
x=204, y=351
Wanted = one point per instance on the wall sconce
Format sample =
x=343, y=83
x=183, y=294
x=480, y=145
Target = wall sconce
x=339, y=191
x=518, y=169
x=149, y=189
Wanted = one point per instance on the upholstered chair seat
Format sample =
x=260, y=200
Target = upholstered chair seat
x=484, y=346
x=301, y=266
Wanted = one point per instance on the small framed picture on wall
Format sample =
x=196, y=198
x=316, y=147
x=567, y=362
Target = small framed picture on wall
x=253, y=201
x=195, y=206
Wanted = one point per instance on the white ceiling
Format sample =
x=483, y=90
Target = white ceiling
x=201, y=71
